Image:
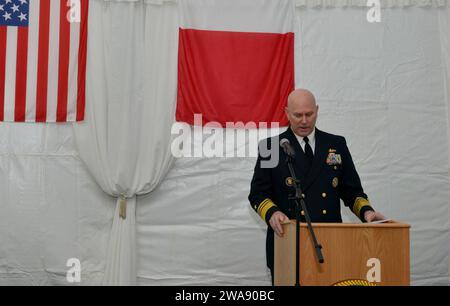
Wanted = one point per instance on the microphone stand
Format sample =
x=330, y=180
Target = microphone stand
x=299, y=198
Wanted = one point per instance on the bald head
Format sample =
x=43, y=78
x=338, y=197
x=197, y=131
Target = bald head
x=302, y=112
x=301, y=96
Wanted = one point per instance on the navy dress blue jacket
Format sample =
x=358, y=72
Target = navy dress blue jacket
x=331, y=177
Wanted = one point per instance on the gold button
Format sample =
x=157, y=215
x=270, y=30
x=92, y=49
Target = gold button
x=303, y=213
x=324, y=195
x=324, y=212
x=303, y=195
x=335, y=167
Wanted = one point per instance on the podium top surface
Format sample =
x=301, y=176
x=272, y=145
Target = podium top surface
x=390, y=224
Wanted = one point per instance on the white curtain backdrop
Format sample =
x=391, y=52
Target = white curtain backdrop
x=384, y=86
x=380, y=85
x=329, y=3
x=363, y=3
x=51, y=209
x=387, y=94
x=131, y=94
x=444, y=23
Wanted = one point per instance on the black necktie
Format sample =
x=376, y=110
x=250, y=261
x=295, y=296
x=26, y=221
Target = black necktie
x=309, y=154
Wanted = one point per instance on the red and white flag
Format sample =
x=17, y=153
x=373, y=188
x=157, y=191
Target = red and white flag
x=43, y=60
x=236, y=60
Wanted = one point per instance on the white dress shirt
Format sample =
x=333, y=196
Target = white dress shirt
x=312, y=141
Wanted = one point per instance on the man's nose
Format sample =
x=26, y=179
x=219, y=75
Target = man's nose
x=303, y=119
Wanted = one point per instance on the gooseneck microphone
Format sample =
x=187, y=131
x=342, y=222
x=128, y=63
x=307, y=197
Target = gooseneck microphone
x=288, y=149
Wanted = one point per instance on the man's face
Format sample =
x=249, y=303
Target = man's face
x=302, y=114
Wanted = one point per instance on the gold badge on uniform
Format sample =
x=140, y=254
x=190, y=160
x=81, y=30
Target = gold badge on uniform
x=335, y=182
x=331, y=151
x=334, y=159
x=289, y=182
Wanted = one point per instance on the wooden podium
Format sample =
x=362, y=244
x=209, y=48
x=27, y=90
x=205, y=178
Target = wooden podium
x=349, y=250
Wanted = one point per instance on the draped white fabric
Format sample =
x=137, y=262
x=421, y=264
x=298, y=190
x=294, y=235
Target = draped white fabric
x=131, y=93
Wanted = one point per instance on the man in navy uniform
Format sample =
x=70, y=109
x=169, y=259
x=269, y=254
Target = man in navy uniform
x=324, y=167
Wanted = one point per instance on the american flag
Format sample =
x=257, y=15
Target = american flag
x=43, y=60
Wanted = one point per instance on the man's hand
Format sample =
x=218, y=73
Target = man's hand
x=276, y=220
x=371, y=216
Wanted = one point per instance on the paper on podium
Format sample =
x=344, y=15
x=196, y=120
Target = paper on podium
x=381, y=221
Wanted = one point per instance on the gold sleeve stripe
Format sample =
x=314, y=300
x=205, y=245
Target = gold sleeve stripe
x=264, y=207
x=265, y=210
x=359, y=204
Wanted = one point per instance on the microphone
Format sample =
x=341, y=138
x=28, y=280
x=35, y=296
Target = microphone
x=286, y=145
